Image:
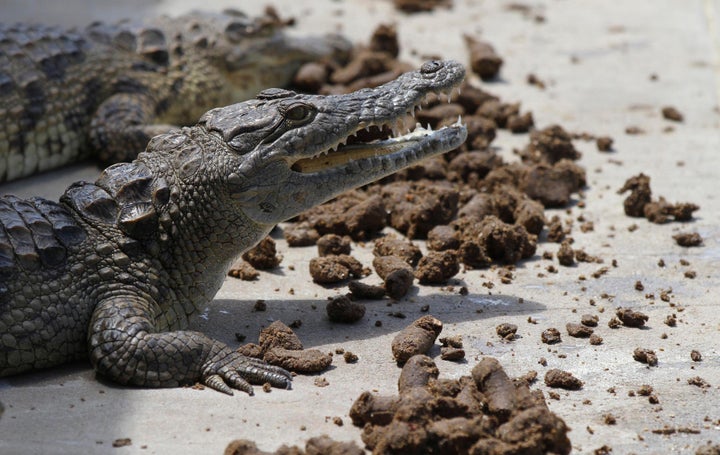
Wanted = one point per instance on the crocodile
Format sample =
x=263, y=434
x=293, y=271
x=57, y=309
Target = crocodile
x=113, y=271
x=66, y=94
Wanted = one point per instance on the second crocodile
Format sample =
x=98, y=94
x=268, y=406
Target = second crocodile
x=109, y=88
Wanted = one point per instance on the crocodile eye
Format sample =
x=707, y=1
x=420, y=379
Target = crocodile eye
x=298, y=113
x=430, y=67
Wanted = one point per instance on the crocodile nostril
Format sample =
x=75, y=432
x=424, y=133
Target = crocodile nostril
x=430, y=67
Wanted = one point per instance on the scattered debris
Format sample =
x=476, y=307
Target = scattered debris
x=484, y=61
x=631, y=318
x=646, y=356
x=342, y=309
x=280, y=346
x=562, y=379
x=441, y=416
x=417, y=338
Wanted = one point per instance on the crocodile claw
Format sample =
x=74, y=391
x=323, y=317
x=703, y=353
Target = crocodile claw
x=230, y=370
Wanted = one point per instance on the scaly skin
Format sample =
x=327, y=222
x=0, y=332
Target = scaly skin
x=110, y=88
x=115, y=269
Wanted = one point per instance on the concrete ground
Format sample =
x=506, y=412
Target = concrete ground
x=597, y=59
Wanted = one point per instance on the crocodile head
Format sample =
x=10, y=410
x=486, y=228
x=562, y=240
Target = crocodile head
x=285, y=152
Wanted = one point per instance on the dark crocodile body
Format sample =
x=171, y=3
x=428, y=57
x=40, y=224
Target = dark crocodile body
x=114, y=269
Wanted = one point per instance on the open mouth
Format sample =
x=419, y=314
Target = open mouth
x=372, y=141
x=355, y=151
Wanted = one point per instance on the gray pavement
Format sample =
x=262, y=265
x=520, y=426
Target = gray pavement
x=597, y=59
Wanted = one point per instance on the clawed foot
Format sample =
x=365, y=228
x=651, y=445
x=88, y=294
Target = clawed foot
x=230, y=370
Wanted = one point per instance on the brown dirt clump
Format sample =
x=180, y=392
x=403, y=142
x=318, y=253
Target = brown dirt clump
x=498, y=111
x=505, y=243
x=661, y=211
x=418, y=371
x=454, y=341
x=478, y=206
x=639, y=203
x=391, y=245
x=320, y=445
x=335, y=268
x=417, y=338
x=562, y=379
x=506, y=330
x=521, y=123
x=385, y=39
x=263, y=256
x=583, y=256
x=122, y=442
x=578, y=330
x=333, y=244
x=280, y=346
x=437, y=267
x=307, y=361
x=553, y=185
x=671, y=113
x=278, y=334
x=688, y=239
x=416, y=6
x=451, y=354
x=417, y=207
x=556, y=232
x=699, y=382
x=243, y=271
x=350, y=357
x=452, y=348
x=604, y=143
x=304, y=361
x=640, y=195
x=397, y=274
x=550, y=336
x=300, y=234
x=550, y=145
x=631, y=318
x=353, y=213
x=362, y=290
x=342, y=309
x=484, y=61
x=442, y=416
x=251, y=350
x=565, y=254
x=646, y=356
x=443, y=237
x=531, y=215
